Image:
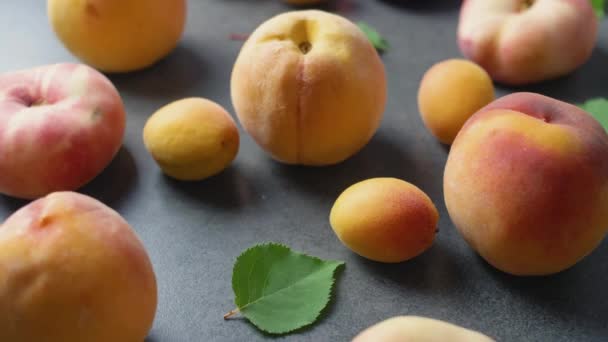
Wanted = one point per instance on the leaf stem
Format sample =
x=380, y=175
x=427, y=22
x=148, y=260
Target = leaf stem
x=231, y=313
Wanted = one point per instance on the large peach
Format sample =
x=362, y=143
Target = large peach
x=309, y=88
x=418, y=329
x=525, y=41
x=526, y=183
x=385, y=219
x=118, y=35
x=60, y=126
x=72, y=269
x=450, y=92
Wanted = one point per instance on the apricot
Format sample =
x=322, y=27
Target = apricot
x=526, y=184
x=450, y=92
x=72, y=269
x=118, y=35
x=385, y=219
x=418, y=329
x=309, y=88
x=191, y=139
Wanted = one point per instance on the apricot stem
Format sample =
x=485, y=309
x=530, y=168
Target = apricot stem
x=231, y=313
x=305, y=47
x=526, y=4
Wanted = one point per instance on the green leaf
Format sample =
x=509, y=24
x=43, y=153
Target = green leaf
x=599, y=7
x=598, y=108
x=280, y=291
x=374, y=37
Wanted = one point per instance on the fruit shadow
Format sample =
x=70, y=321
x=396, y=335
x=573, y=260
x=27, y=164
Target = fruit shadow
x=229, y=189
x=111, y=186
x=115, y=182
x=435, y=271
x=152, y=338
x=424, y=6
x=11, y=204
x=577, y=292
x=586, y=82
x=171, y=77
x=342, y=7
x=382, y=157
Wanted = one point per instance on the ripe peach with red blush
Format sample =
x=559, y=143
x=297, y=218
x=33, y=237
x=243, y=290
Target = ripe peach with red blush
x=526, y=184
x=60, y=126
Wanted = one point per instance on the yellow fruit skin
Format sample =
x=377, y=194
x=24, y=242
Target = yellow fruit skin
x=309, y=88
x=73, y=270
x=418, y=329
x=450, y=92
x=192, y=139
x=385, y=219
x=118, y=35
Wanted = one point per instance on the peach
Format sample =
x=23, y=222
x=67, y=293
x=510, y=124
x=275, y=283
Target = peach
x=118, y=35
x=526, y=41
x=192, y=139
x=526, y=184
x=416, y=328
x=450, y=92
x=60, y=126
x=309, y=88
x=385, y=219
x=72, y=269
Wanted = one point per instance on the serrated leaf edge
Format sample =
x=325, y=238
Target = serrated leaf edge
x=337, y=265
x=318, y=314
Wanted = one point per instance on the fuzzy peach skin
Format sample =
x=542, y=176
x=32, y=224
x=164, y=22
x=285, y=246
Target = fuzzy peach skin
x=418, y=329
x=449, y=93
x=519, y=43
x=526, y=184
x=385, y=219
x=118, y=35
x=72, y=269
x=60, y=126
x=309, y=88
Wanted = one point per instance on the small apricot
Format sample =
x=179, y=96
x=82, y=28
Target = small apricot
x=450, y=92
x=192, y=139
x=385, y=219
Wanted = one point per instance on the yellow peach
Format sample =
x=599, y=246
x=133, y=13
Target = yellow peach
x=192, y=139
x=385, y=219
x=418, y=329
x=450, y=92
x=526, y=184
x=118, y=35
x=309, y=88
x=71, y=270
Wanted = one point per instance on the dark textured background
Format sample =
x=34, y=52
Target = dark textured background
x=194, y=231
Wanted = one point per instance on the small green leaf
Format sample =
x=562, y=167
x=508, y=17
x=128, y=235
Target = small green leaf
x=279, y=290
x=374, y=37
x=599, y=7
x=598, y=108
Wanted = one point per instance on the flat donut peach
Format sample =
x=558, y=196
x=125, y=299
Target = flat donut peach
x=527, y=41
x=60, y=126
